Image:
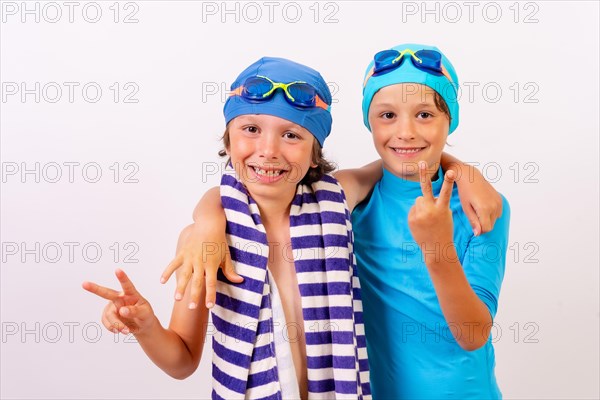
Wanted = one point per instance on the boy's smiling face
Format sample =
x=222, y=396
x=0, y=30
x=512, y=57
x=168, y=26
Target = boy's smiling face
x=271, y=155
x=407, y=128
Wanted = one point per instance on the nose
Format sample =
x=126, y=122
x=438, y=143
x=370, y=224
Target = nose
x=405, y=129
x=268, y=146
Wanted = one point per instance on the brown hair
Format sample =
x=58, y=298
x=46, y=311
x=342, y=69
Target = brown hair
x=441, y=105
x=313, y=175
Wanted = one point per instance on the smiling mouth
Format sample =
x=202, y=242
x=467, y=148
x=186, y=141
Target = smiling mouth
x=267, y=172
x=407, y=150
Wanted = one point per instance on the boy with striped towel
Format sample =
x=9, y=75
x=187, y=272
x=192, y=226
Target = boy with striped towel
x=290, y=325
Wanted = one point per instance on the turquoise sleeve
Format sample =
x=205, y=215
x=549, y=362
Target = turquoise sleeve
x=484, y=261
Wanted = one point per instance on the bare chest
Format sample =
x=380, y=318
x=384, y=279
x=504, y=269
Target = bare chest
x=281, y=265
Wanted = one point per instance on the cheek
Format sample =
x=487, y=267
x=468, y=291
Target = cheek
x=380, y=136
x=300, y=159
x=240, y=147
x=375, y=123
x=305, y=156
x=437, y=136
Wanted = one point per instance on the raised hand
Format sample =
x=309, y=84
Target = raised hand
x=202, y=251
x=127, y=311
x=430, y=219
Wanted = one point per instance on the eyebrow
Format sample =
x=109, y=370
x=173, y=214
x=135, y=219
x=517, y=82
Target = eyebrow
x=392, y=104
x=245, y=118
x=251, y=119
x=385, y=105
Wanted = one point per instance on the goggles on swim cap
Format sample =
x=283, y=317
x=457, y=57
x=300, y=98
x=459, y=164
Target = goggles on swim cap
x=297, y=93
x=426, y=60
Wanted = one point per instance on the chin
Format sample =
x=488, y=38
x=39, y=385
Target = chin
x=257, y=189
x=404, y=167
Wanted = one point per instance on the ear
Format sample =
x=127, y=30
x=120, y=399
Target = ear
x=313, y=165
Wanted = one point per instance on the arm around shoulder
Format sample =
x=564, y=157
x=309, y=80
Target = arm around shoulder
x=358, y=182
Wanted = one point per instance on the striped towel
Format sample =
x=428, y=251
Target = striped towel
x=244, y=364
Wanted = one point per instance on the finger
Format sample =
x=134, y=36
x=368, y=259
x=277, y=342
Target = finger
x=425, y=181
x=108, y=325
x=104, y=292
x=126, y=283
x=197, y=284
x=419, y=203
x=131, y=312
x=229, y=270
x=473, y=219
x=210, y=280
x=111, y=321
x=183, y=277
x=498, y=210
x=104, y=319
x=486, y=222
x=446, y=190
x=173, y=265
x=118, y=302
x=411, y=214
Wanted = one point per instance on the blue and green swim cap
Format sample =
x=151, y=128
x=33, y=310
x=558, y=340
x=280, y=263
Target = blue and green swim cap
x=314, y=119
x=408, y=73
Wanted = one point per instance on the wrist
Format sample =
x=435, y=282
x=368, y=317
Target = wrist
x=439, y=254
x=148, y=330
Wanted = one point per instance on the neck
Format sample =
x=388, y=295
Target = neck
x=403, y=188
x=274, y=210
x=411, y=172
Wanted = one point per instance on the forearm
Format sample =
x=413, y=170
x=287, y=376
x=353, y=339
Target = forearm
x=167, y=350
x=467, y=316
x=462, y=170
x=465, y=173
x=177, y=349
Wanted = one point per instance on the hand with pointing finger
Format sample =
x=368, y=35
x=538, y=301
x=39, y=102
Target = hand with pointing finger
x=127, y=311
x=430, y=219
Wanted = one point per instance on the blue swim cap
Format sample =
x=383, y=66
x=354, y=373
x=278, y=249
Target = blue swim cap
x=316, y=120
x=408, y=73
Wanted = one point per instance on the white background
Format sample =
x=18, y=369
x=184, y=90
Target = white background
x=530, y=121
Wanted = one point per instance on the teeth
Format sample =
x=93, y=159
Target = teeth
x=263, y=172
x=406, y=151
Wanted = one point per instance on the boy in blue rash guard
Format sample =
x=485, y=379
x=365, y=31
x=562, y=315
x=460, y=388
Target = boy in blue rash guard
x=429, y=286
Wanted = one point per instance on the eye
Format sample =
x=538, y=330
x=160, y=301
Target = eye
x=251, y=129
x=388, y=115
x=424, y=115
x=291, y=135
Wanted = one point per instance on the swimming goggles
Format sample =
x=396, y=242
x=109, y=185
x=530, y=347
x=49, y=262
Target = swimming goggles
x=297, y=93
x=426, y=60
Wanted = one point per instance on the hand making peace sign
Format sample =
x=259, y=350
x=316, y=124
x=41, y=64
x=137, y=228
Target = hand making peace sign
x=127, y=311
x=430, y=219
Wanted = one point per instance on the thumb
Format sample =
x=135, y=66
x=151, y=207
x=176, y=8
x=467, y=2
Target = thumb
x=131, y=312
x=229, y=270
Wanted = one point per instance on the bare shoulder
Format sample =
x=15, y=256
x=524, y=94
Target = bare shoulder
x=344, y=177
x=210, y=201
x=358, y=182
